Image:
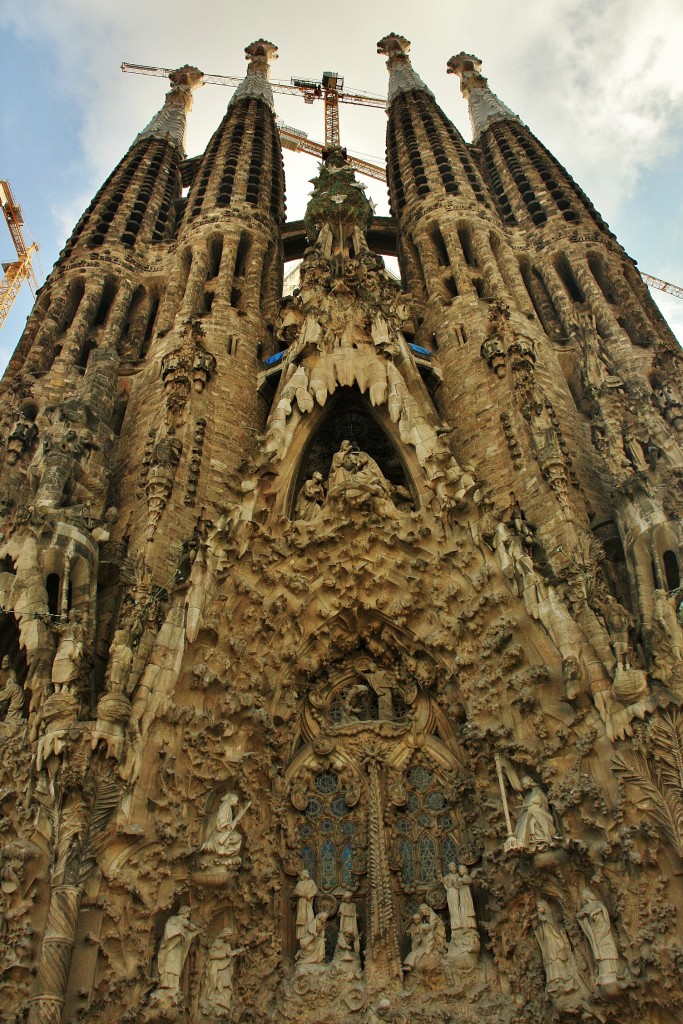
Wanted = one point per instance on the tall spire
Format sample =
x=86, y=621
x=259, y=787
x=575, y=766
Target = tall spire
x=260, y=54
x=402, y=77
x=485, y=106
x=171, y=121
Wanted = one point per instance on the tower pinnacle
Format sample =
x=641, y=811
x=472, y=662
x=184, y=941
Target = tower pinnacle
x=402, y=77
x=260, y=54
x=485, y=107
x=170, y=122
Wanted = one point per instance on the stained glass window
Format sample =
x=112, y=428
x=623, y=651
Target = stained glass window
x=424, y=839
x=327, y=831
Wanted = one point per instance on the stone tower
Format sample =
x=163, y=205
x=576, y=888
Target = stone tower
x=340, y=655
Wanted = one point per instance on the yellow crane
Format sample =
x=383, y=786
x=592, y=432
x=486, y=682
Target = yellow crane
x=19, y=270
x=330, y=89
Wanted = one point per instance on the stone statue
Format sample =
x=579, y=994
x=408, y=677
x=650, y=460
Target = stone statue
x=618, y=621
x=596, y=925
x=312, y=943
x=457, y=882
x=310, y=499
x=348, y=938
x=175, y=945
x=70, y=653
x=218, y=975
x=562, y=980
x=223, y=837
x=10, y=692
x=356, y=479
x=535, y=827
x=306, y=891
x=427, y=939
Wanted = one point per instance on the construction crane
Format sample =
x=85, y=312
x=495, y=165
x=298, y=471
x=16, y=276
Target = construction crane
x=19, y=270
x=299, y=142
x=330, y=88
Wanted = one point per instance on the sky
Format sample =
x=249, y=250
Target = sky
x=600, y=82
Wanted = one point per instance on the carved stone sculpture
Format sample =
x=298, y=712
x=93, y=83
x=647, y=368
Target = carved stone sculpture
x=11, y=693
x=562, y=979
x=223, y=838
x=305, y=891
x=219, y=973
x=463, y=919
x=175, y=945
x=310, y=499
x=348, y=938
x=71, y=652
x=312, y=943
x=357, y=481
x=427, y=940
x=535, y=827
x=597, y=927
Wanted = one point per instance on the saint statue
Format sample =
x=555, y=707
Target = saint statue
x=562, y=981
x=306, y=891
x=312, y=943
x=175, y=945
x=595, y=923
x=535, y=828
x=219, y=974
x=356, y=479
x=70, y=652
x=223, y=837
x=10, y=692
x=427, y=939
x=348, y=938
x=310, y=499
x=457, y=883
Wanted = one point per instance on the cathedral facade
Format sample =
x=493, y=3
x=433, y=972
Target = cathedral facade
x=340, y=642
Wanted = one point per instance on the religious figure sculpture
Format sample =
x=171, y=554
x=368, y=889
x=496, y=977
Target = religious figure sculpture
x=219, y=974
x=356, y=479
x=305, y=890
x=618, y=622
x=348, y=938
x=463, y=919
x=595, y=923
x=312, y=943
x=535, y=827
x=562, y=979
x=70, y=652
x=310, y=499
x=427, y=939
x=175, y=945
x=223, y=838
x=10, y=692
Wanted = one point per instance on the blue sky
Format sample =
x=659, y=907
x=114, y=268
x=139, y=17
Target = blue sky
x=600, y=82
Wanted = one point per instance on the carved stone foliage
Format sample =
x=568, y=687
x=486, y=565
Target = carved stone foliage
x=185, y=369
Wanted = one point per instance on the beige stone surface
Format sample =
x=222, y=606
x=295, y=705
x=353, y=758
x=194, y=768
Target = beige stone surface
x=340, y=635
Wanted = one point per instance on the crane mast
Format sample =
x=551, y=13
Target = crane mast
x=19, y=270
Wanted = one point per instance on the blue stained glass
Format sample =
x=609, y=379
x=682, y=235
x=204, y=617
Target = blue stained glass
x=326, y=825
x=314, y=808
x=327, y=782
x=426, y=852
x=305, y=830
x=445, y=821
x=338, y=806
x=402, y=825
x=405, y=852
x=328, y=865
x=346, y=862
x=348, y=828
x=425, y=820
x=449, y=852
x=308, y=860
x=419, y=777
x=437, y=801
